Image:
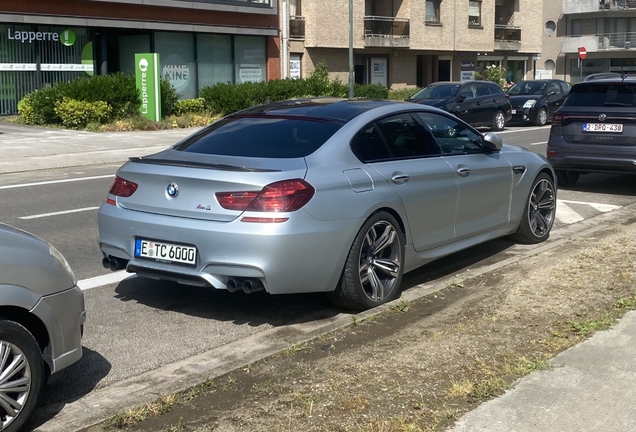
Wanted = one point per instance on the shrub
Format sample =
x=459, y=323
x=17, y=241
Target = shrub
x=228, y=98
x=77, y=114
x=169, y=98
x=118, y=90
x=186, y=106
x=496, y=74
x=38, y=107
x=402, y=94
x=375, y=91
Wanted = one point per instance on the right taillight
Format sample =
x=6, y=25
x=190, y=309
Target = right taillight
x=557, y=118
x=122, y=188
x=282, y=196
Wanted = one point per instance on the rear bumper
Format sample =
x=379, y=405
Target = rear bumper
x=300, y=255
x=591, y=158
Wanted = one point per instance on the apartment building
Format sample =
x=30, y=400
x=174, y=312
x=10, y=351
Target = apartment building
x=200, y=42
x=605, y=28
x=401, y=43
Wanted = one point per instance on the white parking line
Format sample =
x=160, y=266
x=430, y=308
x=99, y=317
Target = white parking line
x=523, y=130
x=566, y=215
x=539, y=143
x=43, y=215
x=56, y=181
x=598, y=206
x=107, y=279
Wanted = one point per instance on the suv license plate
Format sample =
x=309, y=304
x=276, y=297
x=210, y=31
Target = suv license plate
x=603, y=127
x=165, y=252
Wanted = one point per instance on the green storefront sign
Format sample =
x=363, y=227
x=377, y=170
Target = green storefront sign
x=148, y=84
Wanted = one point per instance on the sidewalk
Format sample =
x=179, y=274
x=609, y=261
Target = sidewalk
x=26, y=148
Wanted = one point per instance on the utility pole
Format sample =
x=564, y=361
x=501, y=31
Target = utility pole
x=351, y=83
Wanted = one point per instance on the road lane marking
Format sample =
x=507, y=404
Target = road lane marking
x=43, y=215
x=539, y=143
x=107, y=279
x=566, y=215
x=604, y=208
x=523, y=130
x=57, y=181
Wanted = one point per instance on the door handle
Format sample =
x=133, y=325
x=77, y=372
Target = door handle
x=400, y=178
x=478, y=103
x=463, y=172
x=495, y=101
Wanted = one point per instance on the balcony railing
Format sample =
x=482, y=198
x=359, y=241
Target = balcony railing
x=616, y=4
x=386, y=31
x=297, y=27
x=507, y=38
x=616, y=41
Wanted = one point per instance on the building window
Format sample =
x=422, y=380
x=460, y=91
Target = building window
x=576, y=27
x=474, y=13
x=432, y=11
x=550, y=27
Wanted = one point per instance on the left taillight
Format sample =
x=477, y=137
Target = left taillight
x=122, y=188
x=282, y=196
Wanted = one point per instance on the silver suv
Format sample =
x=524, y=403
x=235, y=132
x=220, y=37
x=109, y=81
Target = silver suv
x=595, y=130
x=41, y=321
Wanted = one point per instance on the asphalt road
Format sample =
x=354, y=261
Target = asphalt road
x=138, y=325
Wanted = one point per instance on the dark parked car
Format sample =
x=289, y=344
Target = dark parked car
x=535, y=101
x=595, y=130
x=479, y=103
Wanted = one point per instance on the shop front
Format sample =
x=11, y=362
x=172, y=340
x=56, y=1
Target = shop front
x=34, y=57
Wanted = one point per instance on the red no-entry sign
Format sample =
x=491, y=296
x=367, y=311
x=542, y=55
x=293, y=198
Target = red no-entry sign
x=582, y=53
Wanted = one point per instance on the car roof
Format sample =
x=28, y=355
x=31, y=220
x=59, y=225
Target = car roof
x=324, y=108
x=627, y=79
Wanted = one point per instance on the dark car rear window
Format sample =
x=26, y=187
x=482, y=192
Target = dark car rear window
x=602, y=95
x=265, y=137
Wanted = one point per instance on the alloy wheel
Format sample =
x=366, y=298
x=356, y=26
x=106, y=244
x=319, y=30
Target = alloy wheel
x=542, y=208
x=15, y=383
x=543, y=117
x=500, y=120
x=379, y=263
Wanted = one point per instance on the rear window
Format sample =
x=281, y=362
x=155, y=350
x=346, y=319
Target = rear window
x=264, y=137
x=437, y=92
x=602, y=95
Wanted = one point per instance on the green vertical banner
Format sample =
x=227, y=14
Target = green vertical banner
x=148, y=84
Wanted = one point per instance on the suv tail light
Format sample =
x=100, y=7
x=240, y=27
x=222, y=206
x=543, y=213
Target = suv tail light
x=557, y=118
x=122, y=188
x=282, y=196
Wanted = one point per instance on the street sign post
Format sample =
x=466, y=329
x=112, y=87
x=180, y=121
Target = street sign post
x=582, y=55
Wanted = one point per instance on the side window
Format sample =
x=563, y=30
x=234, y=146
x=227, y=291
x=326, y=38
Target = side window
x=369, y=146
x=452, y=136
x=554, y=87
x=482, y=90
x=565, y=88
x=405, y=137
x=468, y=92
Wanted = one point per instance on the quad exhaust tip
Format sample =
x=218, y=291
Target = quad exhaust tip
x=248, y=286
x=114, y=264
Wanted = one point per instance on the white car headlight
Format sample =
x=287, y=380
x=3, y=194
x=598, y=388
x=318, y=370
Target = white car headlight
x=530, y=103
x=58, y=255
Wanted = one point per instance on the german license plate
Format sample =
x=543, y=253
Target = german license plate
x=603, y=127
x=165, y=252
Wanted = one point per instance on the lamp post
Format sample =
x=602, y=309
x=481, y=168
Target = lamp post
x=351, y=83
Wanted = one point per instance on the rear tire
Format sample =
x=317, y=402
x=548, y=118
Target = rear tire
x=498, y=121
x=373, y=271
x=21, y=360
x=542, y=117
x=538, y=213
x=566, y=178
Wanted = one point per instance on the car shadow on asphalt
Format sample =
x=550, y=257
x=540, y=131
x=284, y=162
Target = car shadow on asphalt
x=76, y=381
x=608, y=184
x=252, y=309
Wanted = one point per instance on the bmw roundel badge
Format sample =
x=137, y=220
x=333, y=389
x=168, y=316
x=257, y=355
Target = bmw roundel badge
x=173, y=190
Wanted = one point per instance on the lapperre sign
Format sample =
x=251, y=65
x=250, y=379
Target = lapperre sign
x=148, y=82
x=66, y=37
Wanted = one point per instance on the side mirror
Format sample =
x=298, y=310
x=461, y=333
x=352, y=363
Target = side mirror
x=492, y=141
x=461, y=98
